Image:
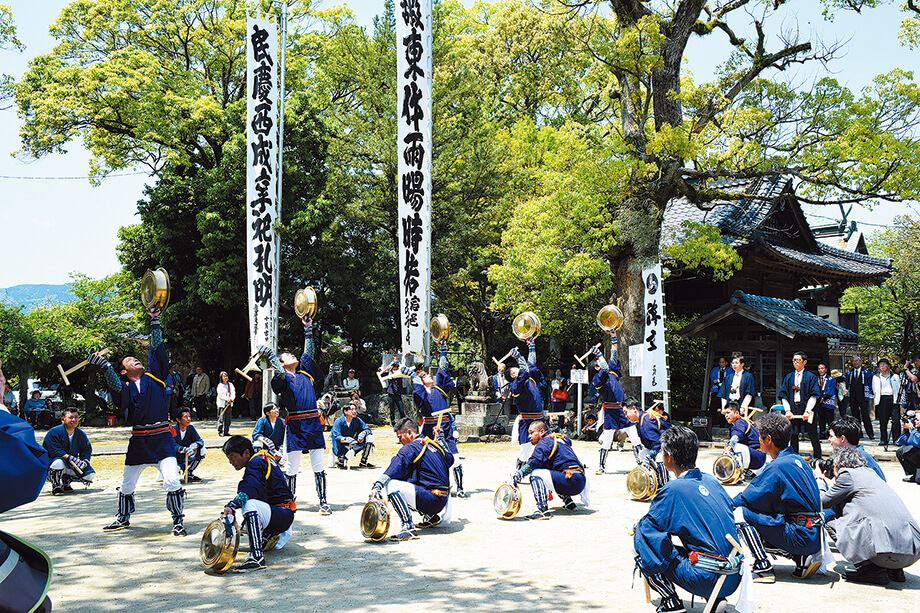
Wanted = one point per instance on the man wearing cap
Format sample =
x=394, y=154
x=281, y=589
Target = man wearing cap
x=143, y=397
x=351, y=382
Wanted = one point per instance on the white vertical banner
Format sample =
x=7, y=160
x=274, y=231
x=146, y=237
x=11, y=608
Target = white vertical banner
x=654, y=365
x=413, y=87
x=263, y=244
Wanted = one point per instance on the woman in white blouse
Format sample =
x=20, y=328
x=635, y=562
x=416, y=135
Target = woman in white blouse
x=226, y=394
x=885, y=387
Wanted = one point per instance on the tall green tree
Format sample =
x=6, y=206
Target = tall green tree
x=889, y=315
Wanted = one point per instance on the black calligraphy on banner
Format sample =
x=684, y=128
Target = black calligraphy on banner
x=262, y=122
x=415, y=154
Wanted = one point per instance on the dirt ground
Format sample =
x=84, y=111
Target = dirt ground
x=577, y=561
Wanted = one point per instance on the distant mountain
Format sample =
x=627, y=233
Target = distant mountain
x=34, y=296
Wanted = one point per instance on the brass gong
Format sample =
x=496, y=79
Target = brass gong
x=610, y=317
x=155, y=289
x=642, y=482
x=507, y=501
x=526, y=325
x=219, y=545
x=375, y=520
x=305, y=302
x=440, y=327
x=727, y=469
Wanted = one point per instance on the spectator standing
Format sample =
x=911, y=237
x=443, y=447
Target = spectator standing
x=559, y=392
x=226, y=394
x=909, y=450
x=716, y=377
x=253, y=395
x=500, y=388
x=873, y=528
x=394, y=395
x=201, y=385
x=910, y=374
x=885, y=388
x=351, y=382
x=828, y=402
x=174, y=390
x=859, y=383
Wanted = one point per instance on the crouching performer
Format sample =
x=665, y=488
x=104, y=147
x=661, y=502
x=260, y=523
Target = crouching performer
x=417, y=478
x=351, y=435
x=553, y=464
x=430, y=399
x=782, y=505
x=696, y=509
x=151, y=443
x=264, y=498
x=190, y=449
x=69, y=452
x=645, y=435
x=744, y=441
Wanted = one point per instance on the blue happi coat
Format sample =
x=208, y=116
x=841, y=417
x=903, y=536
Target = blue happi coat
x=58, y=444
x=298, y=395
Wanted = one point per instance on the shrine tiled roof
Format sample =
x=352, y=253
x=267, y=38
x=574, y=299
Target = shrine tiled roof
x=786, y=317
x=747, y=222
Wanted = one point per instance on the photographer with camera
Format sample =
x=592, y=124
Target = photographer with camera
x=910, y=374
x=844, y=433
x=872, y=526
x=909, y=451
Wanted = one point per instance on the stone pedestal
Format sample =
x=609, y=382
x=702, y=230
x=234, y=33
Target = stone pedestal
x=476, y=416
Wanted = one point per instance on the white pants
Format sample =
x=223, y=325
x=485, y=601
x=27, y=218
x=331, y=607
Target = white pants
x=168, y=467
x=60, y=464
x=407, y=491
x=293, y=461
x=547, y=477
x=609, y=436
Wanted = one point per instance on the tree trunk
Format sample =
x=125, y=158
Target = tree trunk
x=628, y=295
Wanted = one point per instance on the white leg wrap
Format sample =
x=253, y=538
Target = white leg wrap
x=606, y=439
x=170, y=469
x=316, y=460
x=293, y=463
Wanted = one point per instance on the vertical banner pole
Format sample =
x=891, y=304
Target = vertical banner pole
x=262, y=181
x=414, y=107
x=654, y=363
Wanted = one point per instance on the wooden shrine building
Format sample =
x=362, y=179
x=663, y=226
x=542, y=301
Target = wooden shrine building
x=785, y=298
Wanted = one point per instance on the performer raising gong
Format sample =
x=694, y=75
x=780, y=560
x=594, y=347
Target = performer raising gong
x=524, y=379
x=294, y=383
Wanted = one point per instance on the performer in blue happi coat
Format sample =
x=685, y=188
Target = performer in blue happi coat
x=738, y=386
x=695, y=508
x=69, y=452
x=189, y=445
x=417, y=478
x=782, y=504
x=645, y=435
x=612, y=420
x=349, y=433
x=524, y=388
x=430, y=398
x=744, y=440
x=294, y=382
x=799, y=394
x=554, y=464
x=268, y=433
x=264, y=498
x=144, y=399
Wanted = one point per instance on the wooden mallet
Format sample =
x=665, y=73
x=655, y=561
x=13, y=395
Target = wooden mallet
x=581, y=360
x=505, y=357
x=64, y=373
x=75, y=467
x=711, y=603
x=252, y=365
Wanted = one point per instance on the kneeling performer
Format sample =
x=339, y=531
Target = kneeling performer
x=264, y=498
x=190, y=449
x=744, y=442
x=553, y=463
x=695, y=508
x=69, y=452
x=349, y=433
x=417, y=478
x=645, y=435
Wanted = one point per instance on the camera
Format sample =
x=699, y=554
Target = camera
x=825, y=466
x=908, y=418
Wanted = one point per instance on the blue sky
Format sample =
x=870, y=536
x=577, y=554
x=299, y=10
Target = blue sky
x=53, y=225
